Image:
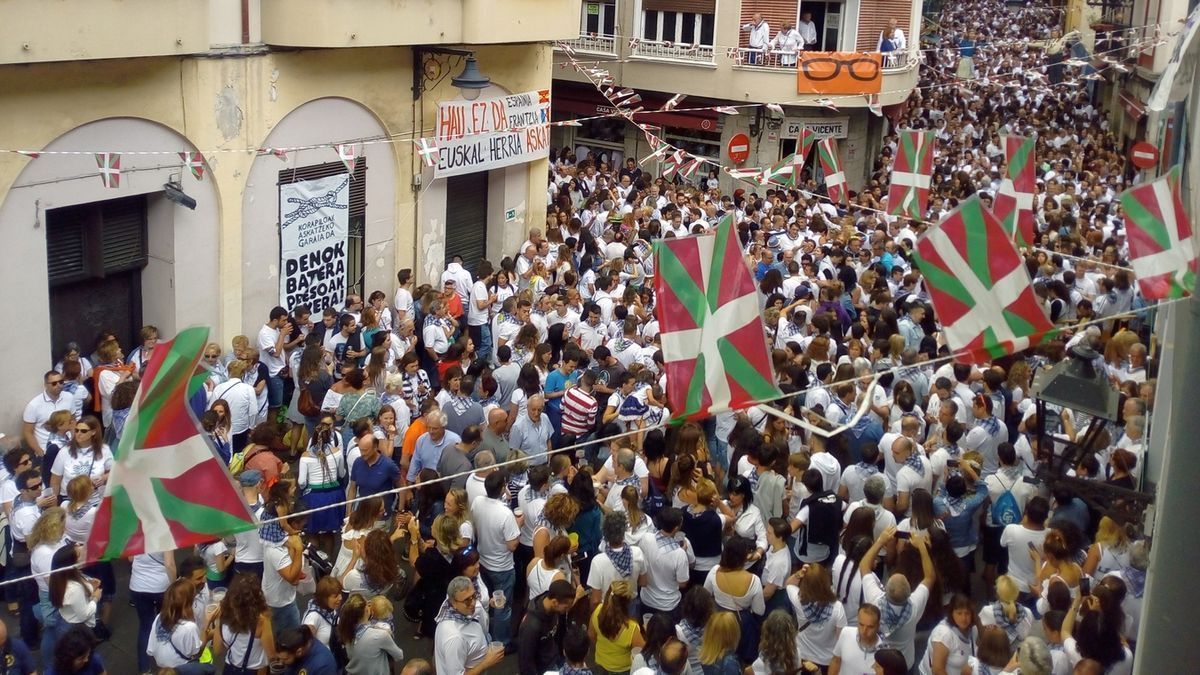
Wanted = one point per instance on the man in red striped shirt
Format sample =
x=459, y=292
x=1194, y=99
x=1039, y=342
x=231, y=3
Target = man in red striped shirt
x=579, y=407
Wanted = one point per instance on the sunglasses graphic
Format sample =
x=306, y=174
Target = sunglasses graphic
x=825, y=68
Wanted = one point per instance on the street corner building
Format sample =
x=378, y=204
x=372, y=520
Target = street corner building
x=198, y=162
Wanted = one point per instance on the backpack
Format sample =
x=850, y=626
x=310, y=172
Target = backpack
x=237, y=463
x=654, y=502
x=824, y=519
x=1005, y=510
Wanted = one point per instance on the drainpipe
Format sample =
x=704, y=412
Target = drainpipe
x=245, y=22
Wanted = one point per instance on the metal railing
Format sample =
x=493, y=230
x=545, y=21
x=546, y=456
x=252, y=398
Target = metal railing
x=777, y=59
x=654, y=49
x=596, y=44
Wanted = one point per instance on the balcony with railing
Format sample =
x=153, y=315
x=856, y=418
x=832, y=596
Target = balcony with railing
x=669, y=51
x=594, y=44
x=774, y=60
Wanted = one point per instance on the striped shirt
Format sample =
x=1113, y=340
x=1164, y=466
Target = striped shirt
x=578, y=412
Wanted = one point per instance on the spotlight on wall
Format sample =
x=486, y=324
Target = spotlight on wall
x=174, y=192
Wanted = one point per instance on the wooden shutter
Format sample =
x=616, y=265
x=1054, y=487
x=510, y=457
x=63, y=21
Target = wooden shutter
x=66, y=244
x=123, y=234
x=697, y=6
x=466, y=217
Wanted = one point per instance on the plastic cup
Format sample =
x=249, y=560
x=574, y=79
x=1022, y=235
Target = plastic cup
x=646, y=619
x=277, y=667
x=574, y=537
x=496, y=646
x=518, y=512
x=498, y=601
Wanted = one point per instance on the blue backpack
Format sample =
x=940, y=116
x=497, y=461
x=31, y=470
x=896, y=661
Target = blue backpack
x=1005, y=510
x=654, y=502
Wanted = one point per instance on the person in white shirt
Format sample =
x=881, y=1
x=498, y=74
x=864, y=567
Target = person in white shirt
x=914, y=473
x=617, y=560
x=40, y=407
x=668, y=561
x=1020, y=539
x=807, y=30
x=282, y=561
x=787, y=43
x=271, y=340
x=479, y=325
x=175, y=638
x=760, y=36
x=242, y=401
x=461, y=643
x=403, y=302
x=498, y=533
x=900, y=606
x=987, y=434
x=856, y=645
x=461, y=277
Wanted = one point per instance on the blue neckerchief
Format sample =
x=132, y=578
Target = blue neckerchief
x=866, y=469
x=893, y=617
x=161, y=632
x=447, y=612
x=621, y=559
x=990, y=425
x=1135, y=580
x=272, y=533
x=572, y=670
x=691, y=635
x=329, y=615
x=1010, y=627
x=817, y=612
x=914, y=462
x=666, y=543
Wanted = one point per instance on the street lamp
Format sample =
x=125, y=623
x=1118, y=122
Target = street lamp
x=470, y=80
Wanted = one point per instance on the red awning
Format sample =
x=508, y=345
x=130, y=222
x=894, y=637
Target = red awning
x=590, y=103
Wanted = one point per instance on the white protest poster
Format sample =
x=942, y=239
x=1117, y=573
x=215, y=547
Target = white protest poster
x=314, y=223
x=492, y=133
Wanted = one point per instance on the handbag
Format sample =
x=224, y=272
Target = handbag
x=193, y=665
x=306, y=406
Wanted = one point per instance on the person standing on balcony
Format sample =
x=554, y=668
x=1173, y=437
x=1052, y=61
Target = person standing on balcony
x=760, y=36
x=808, y=31
x=891, y=40
x=787, y=43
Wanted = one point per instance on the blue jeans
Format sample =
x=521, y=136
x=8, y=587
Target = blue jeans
x=283, y=618
x=274, y=391
x=501, y=618
x=482, y=337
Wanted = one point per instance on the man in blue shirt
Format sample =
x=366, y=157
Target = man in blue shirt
x=556, y=386
x=428, y=450
x=372, y=474
x=21, y=662
x=302, y=654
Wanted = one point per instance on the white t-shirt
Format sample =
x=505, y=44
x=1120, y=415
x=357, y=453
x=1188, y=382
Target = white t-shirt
x=495, y=526
x=476, y=316
x=249, y=547
x=1001, y=481
x=38, y=411
x=855, y=660
x=902, y=636
x=1020, y=565
x=403, y=304
x=961, y=650
x=322, y=629
x=266, y=345
x=278, y=591
x=666, y=570
x=603, y=572
x=148, y=574
x=84, y=464
x=41, y=562
x=817, y=642
x=185, y=638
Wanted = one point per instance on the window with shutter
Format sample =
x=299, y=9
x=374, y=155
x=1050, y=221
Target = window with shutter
x=466, y=217
x=66, y=244
x=123, y=234
x=91, y=241
x=357, y=244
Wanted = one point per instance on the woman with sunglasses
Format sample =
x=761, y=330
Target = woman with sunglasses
x=217, y=372
x=85, y=455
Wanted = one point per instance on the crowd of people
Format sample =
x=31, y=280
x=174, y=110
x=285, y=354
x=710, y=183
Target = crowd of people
x=488, y=461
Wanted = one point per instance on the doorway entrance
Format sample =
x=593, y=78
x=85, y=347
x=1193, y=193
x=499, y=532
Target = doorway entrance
x=466, y=218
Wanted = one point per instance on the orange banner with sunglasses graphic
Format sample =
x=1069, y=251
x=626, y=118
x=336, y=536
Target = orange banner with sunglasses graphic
x=839, y=72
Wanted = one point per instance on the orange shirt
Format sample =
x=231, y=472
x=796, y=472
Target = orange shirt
x=415, y=431
x=454, y=305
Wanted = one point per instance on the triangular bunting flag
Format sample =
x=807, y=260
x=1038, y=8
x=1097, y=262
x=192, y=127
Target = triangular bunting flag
x=195, y=162
x=873, y=104
x=689, y=169
x=349, y=154
x=908, y=192
x=428, y=151
x=748, y=175
x=775, y=108
x=673, y=102
x=1162, y=244
x=831, y=166
x=979, y=285
x=712, y=330
x=636, y=98
x=1014, y=200
x=726, y=109
x=660, y=151
x=29, y=153
x=786, y=172
x=673, y=163
x=281, y=154
x=110, y=168
x=168, y=489
x=827, y=103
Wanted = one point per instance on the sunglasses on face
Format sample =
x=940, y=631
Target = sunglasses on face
x=55, y=383
x=83, y=430
x=31, y=488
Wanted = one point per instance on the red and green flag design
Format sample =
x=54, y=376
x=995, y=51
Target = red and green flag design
x=168, y=489
x=713, y=339
x=787, y=172
x=908, y=192
x=831, y=166
x=979, y=285
x=1014, y=200
x=1162, y=246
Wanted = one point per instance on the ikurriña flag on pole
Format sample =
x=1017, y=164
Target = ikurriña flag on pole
x=979, y=286
x=168, y=489
x=908, y=192
x=831, y=166
x=1014, y=199
x=713, y=340
x=1162, y=244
